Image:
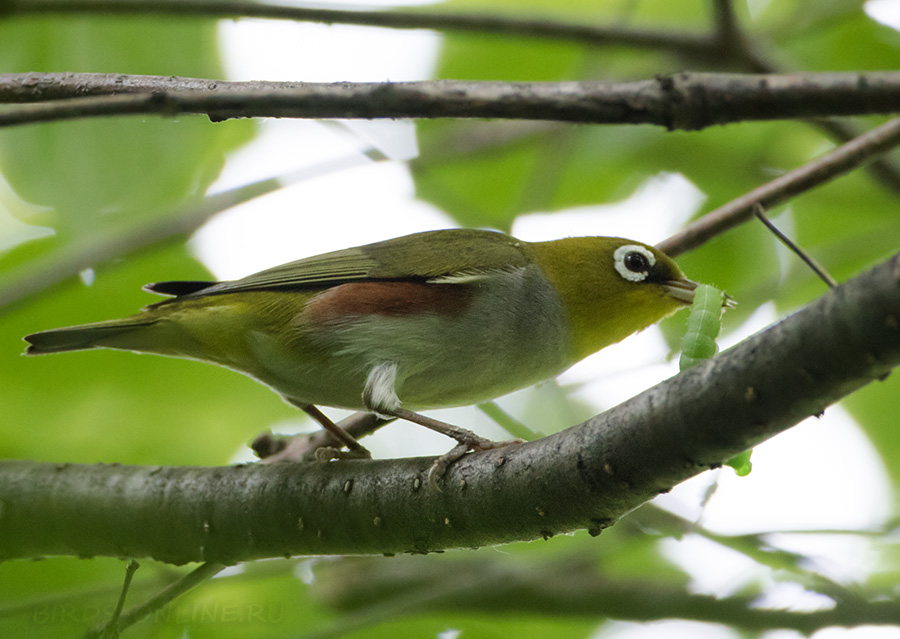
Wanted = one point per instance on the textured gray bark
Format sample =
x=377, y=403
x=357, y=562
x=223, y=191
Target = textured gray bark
x=688, y=101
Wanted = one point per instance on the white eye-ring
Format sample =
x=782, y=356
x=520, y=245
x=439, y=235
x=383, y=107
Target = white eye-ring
x=634, y=262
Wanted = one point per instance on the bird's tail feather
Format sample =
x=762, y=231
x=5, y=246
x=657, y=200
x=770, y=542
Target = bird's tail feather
x=86, y=336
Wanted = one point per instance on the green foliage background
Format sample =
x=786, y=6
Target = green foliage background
x=86, y=177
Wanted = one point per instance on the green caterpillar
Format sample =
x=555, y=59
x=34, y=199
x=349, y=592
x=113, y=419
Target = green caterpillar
x=699, y=343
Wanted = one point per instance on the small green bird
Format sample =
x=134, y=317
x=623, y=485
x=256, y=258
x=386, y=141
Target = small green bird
x=435, y=319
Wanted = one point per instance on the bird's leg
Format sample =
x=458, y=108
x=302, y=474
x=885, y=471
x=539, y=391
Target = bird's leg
x=380, y=397
x=355, y=450
x=272, y=449
x=468, y=441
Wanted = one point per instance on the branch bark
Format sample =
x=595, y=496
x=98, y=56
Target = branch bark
x=585, y=477
x=688, y=101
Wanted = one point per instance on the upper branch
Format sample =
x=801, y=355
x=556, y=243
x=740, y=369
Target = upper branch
x=585, y=477
x=534, y=27
x=687, y=101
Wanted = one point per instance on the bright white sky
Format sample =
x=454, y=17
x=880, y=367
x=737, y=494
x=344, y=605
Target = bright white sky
x=823, y=474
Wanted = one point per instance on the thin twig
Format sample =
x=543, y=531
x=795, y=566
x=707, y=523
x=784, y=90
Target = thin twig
x=838, y=162
x=492, y=24
x=725, y=24
x=111, y=631
x=734, y=44
x=168, y=594
x=811, y=262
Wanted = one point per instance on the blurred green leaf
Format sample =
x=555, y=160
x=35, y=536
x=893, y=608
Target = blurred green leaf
x=834, y=43
x=875, y=408
x=112, y=170
x=102, y=174
x=63, y=596
x=479, y=627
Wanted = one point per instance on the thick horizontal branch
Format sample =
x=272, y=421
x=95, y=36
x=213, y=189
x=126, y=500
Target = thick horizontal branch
x=585, y=477
x=533, y=27
x=687, y=101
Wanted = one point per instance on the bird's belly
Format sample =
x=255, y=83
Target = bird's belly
x=440, y=362
x=473, y=372
x=429, y=379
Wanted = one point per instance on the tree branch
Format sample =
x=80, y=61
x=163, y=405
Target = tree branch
x=573, y=587
x=688, y=101
x=840, y=161
x=884, y=170
x=544, y=27
x=585, y=477
x=166, y=596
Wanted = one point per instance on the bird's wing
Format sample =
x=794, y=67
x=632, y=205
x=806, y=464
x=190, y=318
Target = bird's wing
x=453, y=255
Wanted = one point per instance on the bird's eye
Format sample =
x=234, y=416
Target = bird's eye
x=636, y=262
x=633, y=262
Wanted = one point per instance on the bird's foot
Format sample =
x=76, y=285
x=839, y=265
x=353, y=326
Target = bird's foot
x=468, y=441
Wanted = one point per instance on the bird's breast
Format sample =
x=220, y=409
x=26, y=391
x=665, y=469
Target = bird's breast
x=453, y=343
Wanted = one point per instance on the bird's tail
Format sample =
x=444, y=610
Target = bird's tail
x=118, y=333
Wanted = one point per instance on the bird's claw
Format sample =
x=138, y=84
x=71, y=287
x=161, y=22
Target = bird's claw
x=473, y=443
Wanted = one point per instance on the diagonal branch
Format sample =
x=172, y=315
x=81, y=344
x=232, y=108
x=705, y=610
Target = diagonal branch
x=688, y=101
x=585, y=477
x=838, y=162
